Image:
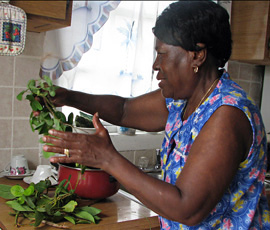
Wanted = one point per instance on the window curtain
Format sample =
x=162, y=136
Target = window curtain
x=108, y=49
x=63, y=48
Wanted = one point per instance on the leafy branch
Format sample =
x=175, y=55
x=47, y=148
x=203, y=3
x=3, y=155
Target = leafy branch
x=35, y=204
x=44, y=115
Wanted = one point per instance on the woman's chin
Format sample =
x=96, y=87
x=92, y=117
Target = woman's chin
x=165, y=93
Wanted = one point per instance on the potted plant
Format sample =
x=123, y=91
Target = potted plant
x=88, y=182
x=84, y=123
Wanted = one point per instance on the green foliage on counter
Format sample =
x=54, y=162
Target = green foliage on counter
x=35, y=204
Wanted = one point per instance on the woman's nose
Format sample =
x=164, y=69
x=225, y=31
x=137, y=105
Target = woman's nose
x=155, y=65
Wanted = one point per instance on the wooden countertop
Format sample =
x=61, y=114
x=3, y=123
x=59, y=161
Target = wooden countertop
x=118, y=213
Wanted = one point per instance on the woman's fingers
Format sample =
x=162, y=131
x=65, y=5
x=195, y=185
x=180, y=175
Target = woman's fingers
x=68, y=136
x=87, y=149
x=63, y=159
x=57, y=141
x=97, y=124
x=61, y=150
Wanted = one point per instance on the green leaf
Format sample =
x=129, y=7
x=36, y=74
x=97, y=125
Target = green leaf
x=38, y=217
x=43, y=94
x=70, y=118
x=44, y=129
x=60, y=116
x=29, y=202
x=57, y=213
x=48, y=80
x=17, y=190
x=86, y=115
x=48, y=208
x=67, y=184
x=83, y=168
x=41, y=140
x=52, y=93
x=36, y=105
x=30, y=97
x=43, y=201
x=57, y=124
x=85, y=215
x=18, y=207
x=83, y=222
x=5, y=192
x=21, y=200
x=41, y=209
x=70, y=219
x=29, y=191
x=93, y=211
x=39, y=125
x=41, y=186
x=31, y=84
x=49, y=121
x=61, y=184
x=47, y=154
x=70, y=206
x=20, y=95
x=29, y=215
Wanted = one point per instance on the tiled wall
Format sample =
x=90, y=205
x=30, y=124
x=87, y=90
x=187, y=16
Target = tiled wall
x=16, y=136
x=249, y=77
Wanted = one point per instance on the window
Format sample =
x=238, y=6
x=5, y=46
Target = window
x=121, y=57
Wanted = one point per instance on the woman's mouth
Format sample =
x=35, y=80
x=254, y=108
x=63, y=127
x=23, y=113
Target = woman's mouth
x=161, y=83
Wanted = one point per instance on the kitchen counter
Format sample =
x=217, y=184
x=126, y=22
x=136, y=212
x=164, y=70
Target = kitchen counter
x=118, y=212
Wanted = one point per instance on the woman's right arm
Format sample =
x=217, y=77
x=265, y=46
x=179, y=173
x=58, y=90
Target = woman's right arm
x=147, y=112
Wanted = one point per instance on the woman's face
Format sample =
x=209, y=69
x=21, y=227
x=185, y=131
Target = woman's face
x=175, y=72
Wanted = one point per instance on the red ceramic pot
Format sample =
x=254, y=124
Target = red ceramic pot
x=93, y=184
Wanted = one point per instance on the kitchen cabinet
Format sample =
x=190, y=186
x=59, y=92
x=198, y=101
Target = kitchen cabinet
x=250, y=31
x=45, y=15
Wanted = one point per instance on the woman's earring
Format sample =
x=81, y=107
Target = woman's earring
x=196, y=69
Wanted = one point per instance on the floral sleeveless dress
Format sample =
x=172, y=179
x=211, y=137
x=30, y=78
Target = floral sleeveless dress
x=244, y=205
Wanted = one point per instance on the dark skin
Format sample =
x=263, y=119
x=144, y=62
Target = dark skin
x=214, y=157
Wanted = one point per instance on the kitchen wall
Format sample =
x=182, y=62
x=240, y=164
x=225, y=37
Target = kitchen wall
x=16, y=137
x=249, y=77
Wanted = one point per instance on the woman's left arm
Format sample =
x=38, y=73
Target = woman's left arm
x=214, y=158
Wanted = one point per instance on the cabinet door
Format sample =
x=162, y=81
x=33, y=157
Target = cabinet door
x=45, y=15
x=250, y=31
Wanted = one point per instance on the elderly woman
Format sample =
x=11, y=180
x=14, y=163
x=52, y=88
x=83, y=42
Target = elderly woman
x=214, y=150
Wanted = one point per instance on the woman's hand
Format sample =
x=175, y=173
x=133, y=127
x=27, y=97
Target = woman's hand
x=94, y=150
x=60, y=98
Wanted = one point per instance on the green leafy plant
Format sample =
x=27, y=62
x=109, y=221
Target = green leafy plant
x=35, y=204
x=48, y=115
x=44, y=115
x=84, y=120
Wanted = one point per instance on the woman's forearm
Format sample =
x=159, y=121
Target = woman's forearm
x=109, y=107
x=161, y=197
x=147, y=112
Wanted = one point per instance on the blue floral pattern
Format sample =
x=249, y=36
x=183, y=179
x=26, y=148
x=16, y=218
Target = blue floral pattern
x=244, y=205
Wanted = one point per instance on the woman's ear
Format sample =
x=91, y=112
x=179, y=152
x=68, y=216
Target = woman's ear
x=199, y=56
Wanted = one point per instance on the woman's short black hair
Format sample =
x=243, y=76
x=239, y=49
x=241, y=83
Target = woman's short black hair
x=186, y=23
